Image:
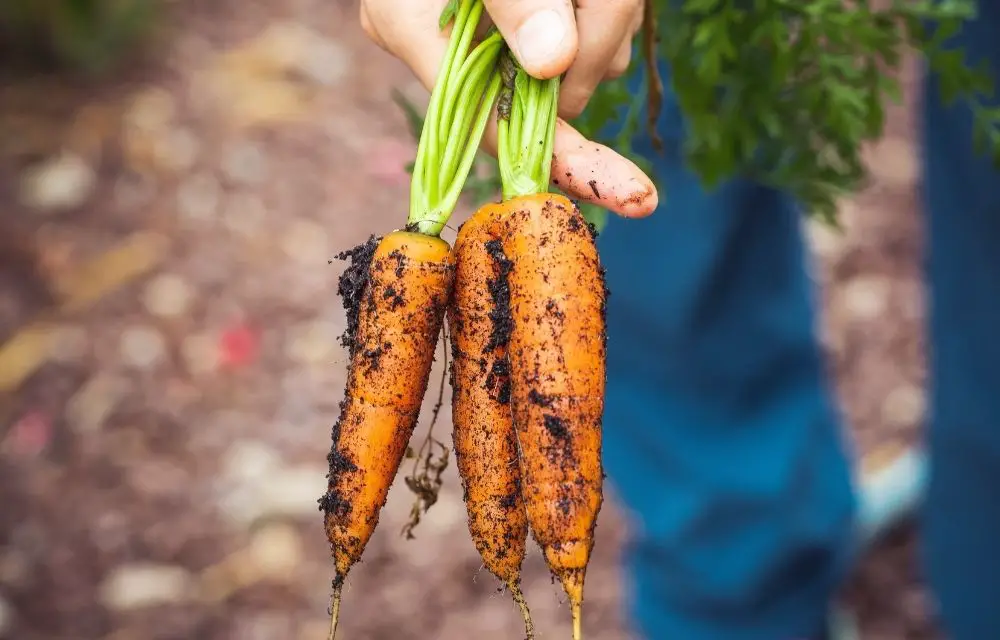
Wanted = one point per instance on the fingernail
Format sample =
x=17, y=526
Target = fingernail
x=540, y=37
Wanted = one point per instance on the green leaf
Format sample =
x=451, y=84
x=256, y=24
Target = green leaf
x=701, y=6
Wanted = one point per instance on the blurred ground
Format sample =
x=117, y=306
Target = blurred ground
x=169, y=364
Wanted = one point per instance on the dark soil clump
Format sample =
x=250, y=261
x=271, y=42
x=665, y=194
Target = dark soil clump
x=554, y=425
x=498, y=379
x=539, y=399
x=352, y=284
x=500, y=314
x=332, y=502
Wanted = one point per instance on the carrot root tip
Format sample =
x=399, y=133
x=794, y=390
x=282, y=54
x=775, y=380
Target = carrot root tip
x=577, y=620
x=338, y=585
x=522, y=603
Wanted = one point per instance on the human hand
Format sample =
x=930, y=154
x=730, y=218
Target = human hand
x=548, y=38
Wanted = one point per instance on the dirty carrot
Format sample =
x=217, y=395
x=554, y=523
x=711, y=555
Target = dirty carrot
x=395, y=292
x=405, y=280
x=557, y=341
x=484, y=438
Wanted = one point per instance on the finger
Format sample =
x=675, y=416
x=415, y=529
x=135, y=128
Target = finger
x=603, y=26
x=541, y=33
x=369, y=27
x=592, y=172
x=619, y=64
x=414, y=36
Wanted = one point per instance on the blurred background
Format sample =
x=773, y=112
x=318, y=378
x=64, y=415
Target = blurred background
x=174, y=177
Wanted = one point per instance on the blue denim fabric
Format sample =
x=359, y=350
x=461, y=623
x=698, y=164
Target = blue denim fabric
x=720, y=435
x=719, y=430
x=962, y=510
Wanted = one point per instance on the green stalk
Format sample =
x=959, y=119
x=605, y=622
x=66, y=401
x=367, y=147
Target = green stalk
x=482, y=120
x=482, y=67
x=526, y=132
x=456, y=119
x=455, y=72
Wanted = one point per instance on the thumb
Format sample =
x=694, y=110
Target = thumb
x=414, y=35
x=541, y=33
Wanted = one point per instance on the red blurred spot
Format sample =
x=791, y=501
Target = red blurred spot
x=238, y=347
x=388, y=159
x=30, y=435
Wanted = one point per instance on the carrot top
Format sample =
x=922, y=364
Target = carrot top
x=526, y=130
x=459, y=110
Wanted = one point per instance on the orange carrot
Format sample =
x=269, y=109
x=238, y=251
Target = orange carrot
x=400, y=291
x=557, y=341
x=557, y=361
x=484, y=437
x=396, y=294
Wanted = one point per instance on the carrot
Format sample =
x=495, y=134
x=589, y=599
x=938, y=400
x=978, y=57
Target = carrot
x=557, y=352
x=396, y=291
x=484, y=438
x=557, y=346
x=399, y=315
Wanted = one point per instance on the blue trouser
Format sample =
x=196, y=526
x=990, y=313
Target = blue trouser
x=720, y=435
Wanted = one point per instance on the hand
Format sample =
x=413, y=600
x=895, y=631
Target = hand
x=548, y=39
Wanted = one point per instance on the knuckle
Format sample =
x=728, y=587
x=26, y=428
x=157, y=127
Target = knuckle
x=637, y=18
x=619, y=65
x=616, y=71
x=367, y=25
x=626, y=6
x=571, y=106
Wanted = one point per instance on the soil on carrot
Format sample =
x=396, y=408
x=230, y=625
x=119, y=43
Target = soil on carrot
x=353, y=283
x=573, y=224
x=351, y=287
x=498, y=378
x=500, y=314
x=332, y=502
x=555, y=426
x=559, y=451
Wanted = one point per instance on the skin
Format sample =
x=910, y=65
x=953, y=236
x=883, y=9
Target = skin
x=595, y=45
x=399, y=320
x=557, y=355
x=485, y=442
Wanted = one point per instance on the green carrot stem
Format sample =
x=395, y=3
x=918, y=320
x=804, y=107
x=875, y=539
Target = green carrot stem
x=482, y=120
x=456, y=119
x=526, y=132
x=453, y=85
x=466, y=114
x=423, y=185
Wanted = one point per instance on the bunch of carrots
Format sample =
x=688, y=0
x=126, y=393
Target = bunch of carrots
x=524, y=297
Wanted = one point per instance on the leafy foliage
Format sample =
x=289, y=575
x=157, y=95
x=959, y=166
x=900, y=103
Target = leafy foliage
x=87, y=35
x=786, y=92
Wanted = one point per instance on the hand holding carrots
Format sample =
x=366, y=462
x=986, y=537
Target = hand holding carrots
x=548, y=38
x=524, y=296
